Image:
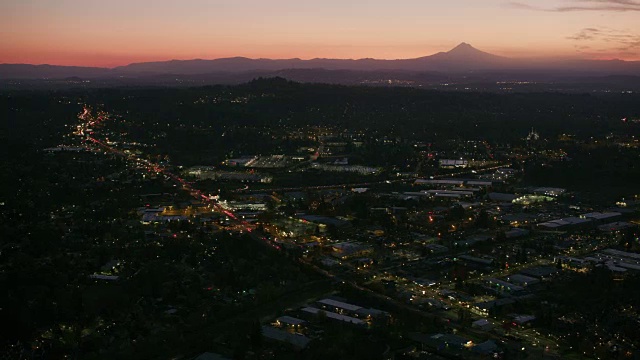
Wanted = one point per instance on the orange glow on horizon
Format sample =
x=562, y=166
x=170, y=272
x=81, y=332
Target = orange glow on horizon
x=119, y=32
x=113, y=60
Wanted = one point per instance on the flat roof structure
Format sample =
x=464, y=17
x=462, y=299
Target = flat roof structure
x=290, y=320
x=487, y=305
x=615, y=226
x=523, y=319
x=454, y=162
x=335, y=316
x=479, y=182
x=488, y=347
x=495, y=196
x=481, y=323
x=622, y=253
x=629, y=266
x=324, y=220
x=540, y=271
x=371, y=312
x=568, y=221
x=504, y=284
x=613, y=267
x=516, y=232
x=549, y=191
x=438, y=182
x=522, y=280
x=600, y=215
x=476, y=259
x=104, y=277
x=298, y=341
x=340, y=304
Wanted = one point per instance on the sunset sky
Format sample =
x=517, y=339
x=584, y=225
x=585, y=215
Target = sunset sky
x=118, y=32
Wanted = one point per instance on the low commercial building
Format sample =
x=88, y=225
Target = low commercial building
x=523, y=319
x=616, y=260
x=453, y=163
x=549, y=191
x=360, y=169
x=476, y=261
x=487, y=308
x=210, y=173
x=441, y=342
x=569, y=262
x=445, y=182
x=370, y=314
x=541, y=272
x=532, y=199
x=240, y=161
x=450, y=193
x=516, y=233
x=473, y=239
x=615, y=226
x=333, y=316
x=289, y=321
x=482, y=324
x=103, y=277
x=346, y=250
x=244, y=205
x=501, y=197
x=437, y=248
x=487, y=348
x=565, y=223
x=298, y=341
x=479, y=183
x=601, y=217
x=325, y=220
x=338, y=306
x=503, y=286
x=622, y=254
x=522, y=280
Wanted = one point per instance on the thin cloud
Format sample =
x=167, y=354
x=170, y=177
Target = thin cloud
x=583, y=5
x=517, y=5
x=617, y=2
x=620, y=41
x=585, y=34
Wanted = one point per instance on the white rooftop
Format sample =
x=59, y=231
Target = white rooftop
x=333, y=315
x=600, y=216
x=340, y=304
x=290, y=320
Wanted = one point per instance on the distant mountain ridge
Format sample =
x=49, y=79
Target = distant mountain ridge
x=464, y=58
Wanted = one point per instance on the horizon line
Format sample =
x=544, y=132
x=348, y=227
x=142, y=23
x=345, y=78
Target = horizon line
x=537, y=58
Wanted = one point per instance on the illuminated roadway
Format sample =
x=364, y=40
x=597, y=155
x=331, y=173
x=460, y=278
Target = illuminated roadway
x=90, y=121
x=82, y=130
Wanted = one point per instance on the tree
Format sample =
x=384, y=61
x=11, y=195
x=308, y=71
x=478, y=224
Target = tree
x=255, y=336
x=482, y=221
x=502, y=260
x=522, y=256
x=457, y=212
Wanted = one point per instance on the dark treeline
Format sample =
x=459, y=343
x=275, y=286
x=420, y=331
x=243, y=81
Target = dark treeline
x=409, y=112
